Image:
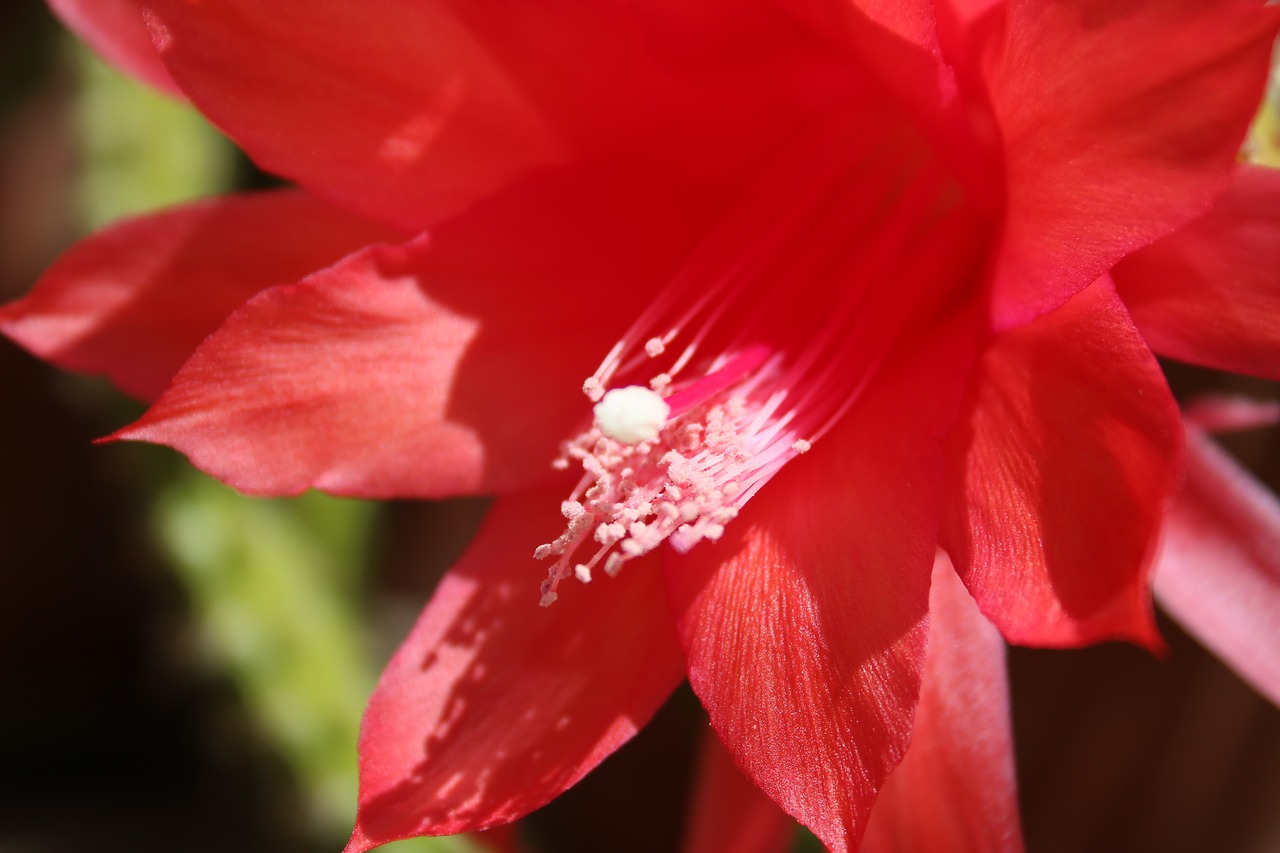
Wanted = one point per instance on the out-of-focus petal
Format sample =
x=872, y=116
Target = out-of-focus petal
x=1059, y=476
x=955, y=790
x=116, y=30
x=133, y=301
x=410, y=109
x=805, y=627
x=441, y=366
x=1108, y=148
x=1228, y=413
x=494, y=705
x=1210, y=292
x=1218, y=571
x=730, y=814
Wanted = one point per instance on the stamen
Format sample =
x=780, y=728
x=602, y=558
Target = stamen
x=632, y=414
x=674, y=458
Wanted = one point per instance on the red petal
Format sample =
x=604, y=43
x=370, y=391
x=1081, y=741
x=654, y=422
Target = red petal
x=115, y=29
x=410, y=109
x=133, y=301
x=1060, y=475
x=861, y=25
x=1121, y=121
x=441, y=366
x=805, y=627
x=1218, y=571
x=955, y=790
x=967, y=13
x=730, y=814
x=911, y=19
x=968, y=29
x=897, y=42
x=359, y=381
x=1209, y=292
x=494, y=705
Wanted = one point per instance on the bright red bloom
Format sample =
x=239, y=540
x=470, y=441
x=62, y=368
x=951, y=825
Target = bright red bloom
x=931, y=242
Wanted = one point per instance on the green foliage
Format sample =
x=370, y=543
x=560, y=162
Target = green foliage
x=141, y=150
x=272, y=586
x=275, y=585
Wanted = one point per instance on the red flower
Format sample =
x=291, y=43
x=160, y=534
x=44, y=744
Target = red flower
x=932, y=241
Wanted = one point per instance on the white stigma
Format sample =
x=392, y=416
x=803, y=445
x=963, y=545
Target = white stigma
x=631, y=415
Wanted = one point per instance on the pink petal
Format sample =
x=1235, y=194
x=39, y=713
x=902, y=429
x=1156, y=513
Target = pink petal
x=412, y=109
x=1228, y=413
x=1121, y=121
x=440, y=366
x=133, y=301
x=1060, y=474
x=1209, y=293
x=730, y=814
x=494, y=705
x=115, y=29
x=1218, y=572
x=955, y=790
x=805, y=627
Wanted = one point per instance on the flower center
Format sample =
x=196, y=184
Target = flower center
x=671, y=469
x=758, y=346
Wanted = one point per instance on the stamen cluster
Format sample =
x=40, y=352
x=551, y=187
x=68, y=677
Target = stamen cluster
x=682, y=486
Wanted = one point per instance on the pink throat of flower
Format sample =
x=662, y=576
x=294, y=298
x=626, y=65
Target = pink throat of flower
x=675, y=459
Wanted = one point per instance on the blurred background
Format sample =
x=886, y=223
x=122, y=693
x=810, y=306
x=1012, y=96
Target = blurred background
x=182, y=668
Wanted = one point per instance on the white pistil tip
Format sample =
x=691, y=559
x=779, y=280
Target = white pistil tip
x=654, y=347
x=801, y=446
x=632, y=414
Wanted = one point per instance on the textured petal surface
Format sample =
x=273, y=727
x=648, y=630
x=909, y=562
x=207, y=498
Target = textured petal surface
x=1108, y=148
x=435, y=367
x=116, y=30
x=1210, y=292
x=495, y=705
x=805, y=627
x=133, y=301
x=730, y=814
x=1060, y=474
x=1219, y=567
x=955, y=790
x=456, y=99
